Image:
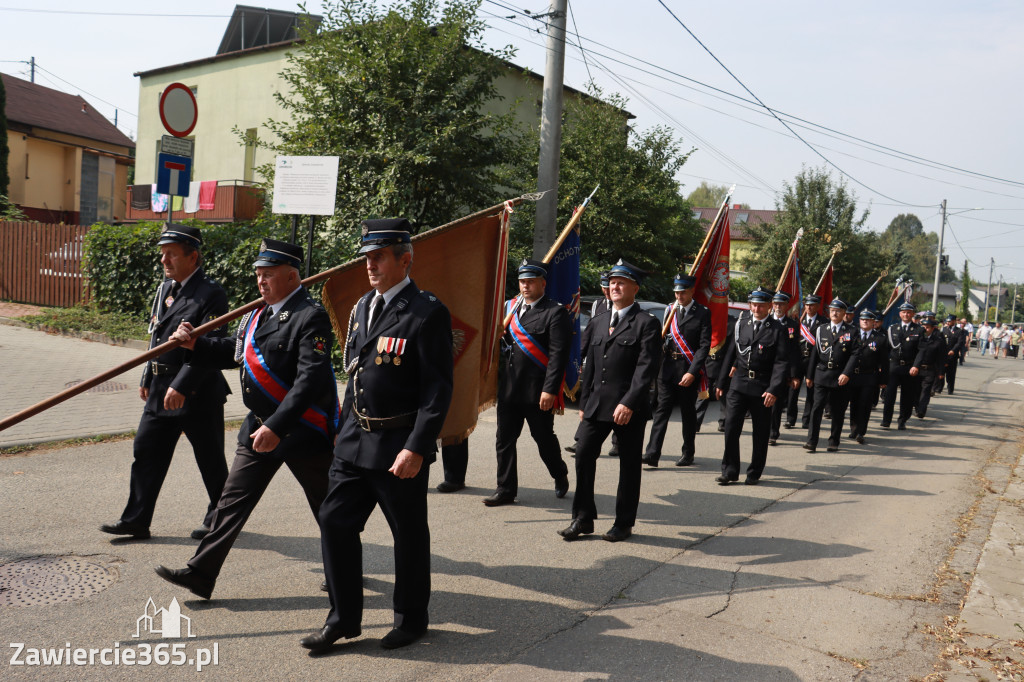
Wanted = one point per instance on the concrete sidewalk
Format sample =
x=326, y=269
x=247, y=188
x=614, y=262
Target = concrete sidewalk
x=889, y=561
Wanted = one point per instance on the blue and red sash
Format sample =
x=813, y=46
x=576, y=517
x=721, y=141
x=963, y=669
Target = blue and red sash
x=684, y=348
x=275, y=389
x=806, y=334
x=533, y=350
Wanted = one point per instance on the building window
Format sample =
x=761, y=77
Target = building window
x=742, y=218
x=696, y=214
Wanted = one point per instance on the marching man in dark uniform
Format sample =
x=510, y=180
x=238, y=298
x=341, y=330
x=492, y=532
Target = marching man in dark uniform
x=809, y=324
x=621, y=348
x=537, y=353
x=599, y=306
x=713, y=368
x=870, y=374
x=755, y=369
x=904, y=361
x=836, y=353
x=399, y=356
x=780, y=304
x=283, y=351
x=179, y=398
x=933, y=355
x=682, y=378
x=956, y=342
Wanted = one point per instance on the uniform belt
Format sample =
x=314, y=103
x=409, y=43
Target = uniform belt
x=807, y=352
x=751, y=374
x=162, y=368
x=830, y=365
x=924, y=366
x=902, y=362
x=370, y=424
x=676, y=355
x=856, y=370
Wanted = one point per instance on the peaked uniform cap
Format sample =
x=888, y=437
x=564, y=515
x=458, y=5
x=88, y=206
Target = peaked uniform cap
x=175, y=233
x=380, y=232
x=274, y=252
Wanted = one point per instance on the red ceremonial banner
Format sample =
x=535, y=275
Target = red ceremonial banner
x=791, y=282
x=712, y=273
x=825, y=288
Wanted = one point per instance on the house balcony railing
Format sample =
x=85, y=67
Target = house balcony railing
x=234, y=200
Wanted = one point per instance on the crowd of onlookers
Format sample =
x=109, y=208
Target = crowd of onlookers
x=1001, y=340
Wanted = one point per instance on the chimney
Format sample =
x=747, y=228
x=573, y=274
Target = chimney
x=737, y=205
x=84, y=111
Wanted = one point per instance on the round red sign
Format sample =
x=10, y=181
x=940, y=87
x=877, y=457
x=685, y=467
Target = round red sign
x=178, y=109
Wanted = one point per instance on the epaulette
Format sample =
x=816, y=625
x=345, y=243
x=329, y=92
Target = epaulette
x=429, y=296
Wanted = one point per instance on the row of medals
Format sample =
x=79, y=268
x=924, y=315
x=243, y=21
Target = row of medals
x=384, y=357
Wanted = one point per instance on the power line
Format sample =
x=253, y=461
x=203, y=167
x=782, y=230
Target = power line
x=99, y=99
x=579, y=40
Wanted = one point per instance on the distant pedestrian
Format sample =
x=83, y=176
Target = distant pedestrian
x=984, y=331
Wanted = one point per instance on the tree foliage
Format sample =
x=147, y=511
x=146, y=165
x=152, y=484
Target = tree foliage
x=827, y=212
x=911, y=250
x=965, y=293
x=637, y=214
x=399, y=94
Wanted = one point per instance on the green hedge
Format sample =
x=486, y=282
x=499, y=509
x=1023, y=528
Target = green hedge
x=122, y=262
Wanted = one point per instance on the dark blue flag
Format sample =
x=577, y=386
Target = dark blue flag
x=564, y=286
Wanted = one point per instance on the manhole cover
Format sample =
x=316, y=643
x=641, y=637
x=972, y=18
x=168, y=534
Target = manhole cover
x=44, y=580
x=105, y=387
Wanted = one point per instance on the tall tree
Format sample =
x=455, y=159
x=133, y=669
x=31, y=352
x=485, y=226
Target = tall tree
x=965, y=292
x=404, y=96
x=638, y=213
x=707, y=195
x=910, y=250
x=5, y=152
x=827, y=212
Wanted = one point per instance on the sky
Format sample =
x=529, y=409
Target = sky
x=911, y=102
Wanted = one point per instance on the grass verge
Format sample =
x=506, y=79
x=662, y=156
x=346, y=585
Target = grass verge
x=88, y=318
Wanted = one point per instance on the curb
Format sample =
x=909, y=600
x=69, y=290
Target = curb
x=134, y=344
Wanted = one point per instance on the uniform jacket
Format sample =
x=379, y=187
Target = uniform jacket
x=805, y=347
x=956, y=340
x=794, y=353
x=599, y=306
x=421, y=384
x=695, y=327
x=620, y=367
x=932, y=353
x=296, y=346
x=762, y=354
x=904, y=350
x=872, y=366
x=198, y=302
x=523, y=381
x=834, y=354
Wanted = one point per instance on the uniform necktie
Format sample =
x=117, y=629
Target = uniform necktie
x=375, y=310
x=175, y=288
x=757, y=327
x=526, y=308
x=615, y=321
x=835, y=330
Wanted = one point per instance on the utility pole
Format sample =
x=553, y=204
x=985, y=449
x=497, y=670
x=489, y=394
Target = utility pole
x=32, y=69
x=988, y=292
x=1013, y=308
x=999, y=290
x=938, y=259
x=550, y=131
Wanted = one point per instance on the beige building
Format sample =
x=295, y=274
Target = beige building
x=741, y=248
x=67, y=163
x=235, y=90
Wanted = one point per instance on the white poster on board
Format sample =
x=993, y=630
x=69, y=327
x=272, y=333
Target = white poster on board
x=305, y=185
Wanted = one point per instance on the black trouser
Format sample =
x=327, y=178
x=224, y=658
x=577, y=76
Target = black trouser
x=836, y=398
x=590, y=435
x=671, y=394
x=909, y=387
x=781, y=405
x=950, y=378
x=736, y=406
x=455, y=459
x=792, y=401
x=351, y=498
x=862, y=399
x=711, y=367
x=250, y=475
x=154, y=447
x=929, y=380
x=511, y=416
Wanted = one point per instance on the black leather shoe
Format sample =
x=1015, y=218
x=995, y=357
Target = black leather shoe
x=570, y=448
x=884, y=425
x=901, y=426
x=450, y=487
x=120, y=527
x=789, y=425
x=773, y=441
x=721, y=427
x=685, y=461
x=199, y=585
x=750, y=480
x=614, y=452
x=650, y=461
x=808, y=447
x=920, y=415
x=201, y=532
x=561, y=487
x=323, y=585
x=832, y=448
x=499, y=498
x=398, y=638
x=327, y=636
x=860, y=439
x=724, y=480
x=616, y=534
x=577, y=528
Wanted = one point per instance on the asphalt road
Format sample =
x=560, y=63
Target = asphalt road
x=838, y=566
